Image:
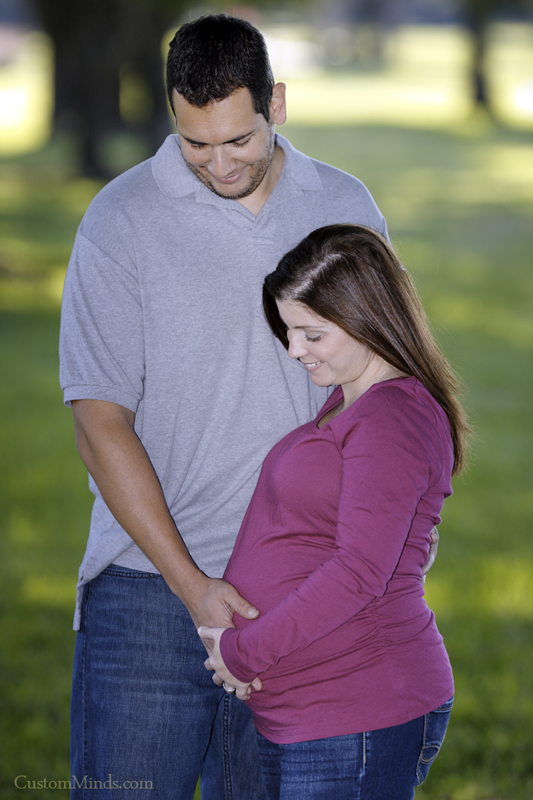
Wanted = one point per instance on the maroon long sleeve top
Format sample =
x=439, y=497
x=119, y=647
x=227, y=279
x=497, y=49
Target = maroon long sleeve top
x=331, y=552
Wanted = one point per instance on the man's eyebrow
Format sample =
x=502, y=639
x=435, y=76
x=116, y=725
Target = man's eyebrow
x=230, y=141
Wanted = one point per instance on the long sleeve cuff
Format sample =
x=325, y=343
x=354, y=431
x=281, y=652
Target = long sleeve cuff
x=229, y=649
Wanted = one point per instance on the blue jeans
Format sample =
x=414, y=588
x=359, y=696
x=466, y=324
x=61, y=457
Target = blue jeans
x=145, y=712
x=386, y=764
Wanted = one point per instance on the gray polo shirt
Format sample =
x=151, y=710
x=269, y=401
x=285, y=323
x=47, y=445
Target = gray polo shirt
x=162, y=315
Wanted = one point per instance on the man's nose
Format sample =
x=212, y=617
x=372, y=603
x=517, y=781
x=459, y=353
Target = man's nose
x=221, y=163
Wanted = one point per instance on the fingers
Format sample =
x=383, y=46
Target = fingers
x=211, y=639
x=215, y=608
x=242, y=690
x=432, y=553
x=242, y=606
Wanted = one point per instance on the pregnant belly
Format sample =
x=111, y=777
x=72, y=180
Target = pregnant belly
x=269, y=569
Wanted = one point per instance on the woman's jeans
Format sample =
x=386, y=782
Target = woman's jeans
x=386, y=764
x=146, y=717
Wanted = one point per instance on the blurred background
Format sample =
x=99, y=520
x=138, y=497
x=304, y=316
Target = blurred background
x=430, y=103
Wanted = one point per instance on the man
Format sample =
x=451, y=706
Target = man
x=178, y=391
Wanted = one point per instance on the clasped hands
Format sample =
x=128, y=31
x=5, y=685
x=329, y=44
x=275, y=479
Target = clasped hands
x=223, y=595
x=223, y=677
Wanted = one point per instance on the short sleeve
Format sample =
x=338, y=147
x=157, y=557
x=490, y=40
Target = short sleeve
x=101, y=338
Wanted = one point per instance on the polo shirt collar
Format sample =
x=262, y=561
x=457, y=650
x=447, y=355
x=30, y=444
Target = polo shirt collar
x=175, y=178
x=298, y=168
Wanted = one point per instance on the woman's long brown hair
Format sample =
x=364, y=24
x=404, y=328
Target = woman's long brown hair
x=351, y=276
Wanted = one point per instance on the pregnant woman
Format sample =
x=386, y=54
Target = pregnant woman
x=345, y=671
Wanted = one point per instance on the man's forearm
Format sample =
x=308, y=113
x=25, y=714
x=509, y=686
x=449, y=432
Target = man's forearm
x=123, y=472
x=119, y=464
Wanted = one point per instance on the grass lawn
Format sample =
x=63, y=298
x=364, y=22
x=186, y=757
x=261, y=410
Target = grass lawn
x=459, y=207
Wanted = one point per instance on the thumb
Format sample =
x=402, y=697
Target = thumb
x=206, y=635
x=242, y=606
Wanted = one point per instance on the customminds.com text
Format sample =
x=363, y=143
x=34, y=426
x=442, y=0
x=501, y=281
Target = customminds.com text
x=22, y=782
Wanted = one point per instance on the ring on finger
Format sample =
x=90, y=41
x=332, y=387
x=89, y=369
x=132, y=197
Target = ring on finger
x=229, y=689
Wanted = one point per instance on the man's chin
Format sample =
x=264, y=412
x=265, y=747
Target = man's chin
x=229, y=192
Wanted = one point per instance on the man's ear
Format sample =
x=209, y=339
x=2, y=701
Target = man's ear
x=278, y=110
x=173, y=106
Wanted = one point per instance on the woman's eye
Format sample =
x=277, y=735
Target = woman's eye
x=313, y=338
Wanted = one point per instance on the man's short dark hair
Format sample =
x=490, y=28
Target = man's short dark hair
x=214, y=56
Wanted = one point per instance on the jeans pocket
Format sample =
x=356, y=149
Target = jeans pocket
x=435, y=725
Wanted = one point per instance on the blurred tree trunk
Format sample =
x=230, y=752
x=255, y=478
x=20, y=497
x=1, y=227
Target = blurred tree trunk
x=95, y=41
x=478, y=14
x=371, y=15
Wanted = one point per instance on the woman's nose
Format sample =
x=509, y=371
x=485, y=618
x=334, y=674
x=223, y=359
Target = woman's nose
x=296, y=346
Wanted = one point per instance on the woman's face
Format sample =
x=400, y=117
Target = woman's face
x=330, y=356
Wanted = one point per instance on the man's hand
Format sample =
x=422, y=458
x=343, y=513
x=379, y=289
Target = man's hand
x=212, y=602
x=432, y=553
x=223, y=677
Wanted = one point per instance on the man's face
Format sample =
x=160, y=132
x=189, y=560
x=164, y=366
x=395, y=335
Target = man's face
x=227, y=145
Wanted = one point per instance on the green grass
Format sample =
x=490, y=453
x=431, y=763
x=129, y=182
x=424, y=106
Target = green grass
x=459, y=208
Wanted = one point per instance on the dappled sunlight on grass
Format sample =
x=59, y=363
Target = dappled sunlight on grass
x=38, y=220
x=505, y=587
x=26, y=96
x=511, y=71
x=21, y=528
x=499, y=586
x=484, y=609
x=471, y=313
x=375, y=99
x=33, y=293
x=512, y=168
x=424, y=82
x=49, y=591
x=496, y=174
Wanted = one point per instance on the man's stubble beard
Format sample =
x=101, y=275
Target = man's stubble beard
x=259, y=170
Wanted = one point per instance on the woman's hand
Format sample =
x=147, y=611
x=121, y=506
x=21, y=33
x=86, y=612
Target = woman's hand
x=223, y=677
x=432, y=553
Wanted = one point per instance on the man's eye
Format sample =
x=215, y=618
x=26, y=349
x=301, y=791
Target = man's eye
x=241, y=144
